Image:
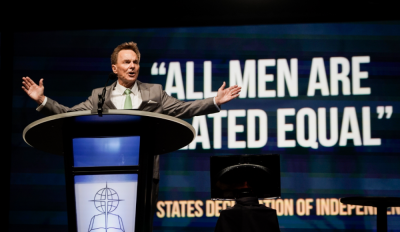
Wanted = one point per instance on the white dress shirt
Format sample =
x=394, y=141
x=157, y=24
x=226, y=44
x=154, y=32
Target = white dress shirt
x=118, y=96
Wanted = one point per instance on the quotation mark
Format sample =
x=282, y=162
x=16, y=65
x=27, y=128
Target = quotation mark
x=158, y=70
x=381, y=110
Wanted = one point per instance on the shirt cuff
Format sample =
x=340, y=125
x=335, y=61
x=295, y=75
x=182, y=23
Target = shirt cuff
x=219, y=109
x=39, y=108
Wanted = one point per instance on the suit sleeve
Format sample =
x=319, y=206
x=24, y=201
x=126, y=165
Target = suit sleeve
x=181, y=109
x=52, y=107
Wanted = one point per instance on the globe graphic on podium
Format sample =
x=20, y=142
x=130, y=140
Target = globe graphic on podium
x=106, y=200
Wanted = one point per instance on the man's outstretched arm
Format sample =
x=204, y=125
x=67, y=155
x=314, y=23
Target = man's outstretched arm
x=226, y=95
x=34, y=91
x=181, y=109
x=48, y=106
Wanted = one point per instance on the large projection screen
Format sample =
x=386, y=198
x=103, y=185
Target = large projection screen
x=324, y=96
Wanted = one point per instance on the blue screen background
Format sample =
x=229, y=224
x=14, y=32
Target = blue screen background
x=73, y=63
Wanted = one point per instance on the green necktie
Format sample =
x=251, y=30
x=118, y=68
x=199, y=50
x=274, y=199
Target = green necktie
x=128, y=100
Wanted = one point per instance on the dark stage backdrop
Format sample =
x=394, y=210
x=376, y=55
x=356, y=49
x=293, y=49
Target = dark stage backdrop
x=323, y=96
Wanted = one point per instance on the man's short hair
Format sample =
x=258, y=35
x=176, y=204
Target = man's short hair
x=124, y=46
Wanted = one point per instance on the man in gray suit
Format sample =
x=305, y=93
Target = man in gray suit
x=129, y=93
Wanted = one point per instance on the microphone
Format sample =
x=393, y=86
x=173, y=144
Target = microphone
x=111, y=76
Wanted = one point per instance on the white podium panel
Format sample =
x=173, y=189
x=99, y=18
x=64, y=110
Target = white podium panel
x=106, y=202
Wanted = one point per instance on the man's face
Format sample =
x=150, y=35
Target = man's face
x=126, y=68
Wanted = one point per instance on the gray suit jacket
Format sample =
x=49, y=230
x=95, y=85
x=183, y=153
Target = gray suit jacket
x=161, y=103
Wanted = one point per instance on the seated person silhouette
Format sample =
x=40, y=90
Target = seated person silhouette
x=247, y=215
x=246, y=183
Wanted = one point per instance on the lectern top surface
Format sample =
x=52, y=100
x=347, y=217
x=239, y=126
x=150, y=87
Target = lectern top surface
x=163, y=133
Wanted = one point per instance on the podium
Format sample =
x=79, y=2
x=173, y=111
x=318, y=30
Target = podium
x=109, y=163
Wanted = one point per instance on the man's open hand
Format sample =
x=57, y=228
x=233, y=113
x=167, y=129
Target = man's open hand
x=34, y=91
x=225, y=95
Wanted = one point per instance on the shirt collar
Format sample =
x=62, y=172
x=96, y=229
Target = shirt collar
x=121, y=89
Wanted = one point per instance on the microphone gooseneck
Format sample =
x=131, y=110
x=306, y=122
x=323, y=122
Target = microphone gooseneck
x=111, y=76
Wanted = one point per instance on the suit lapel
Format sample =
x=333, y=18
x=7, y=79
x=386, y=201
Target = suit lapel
x=145, y=93
x=108, y=103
